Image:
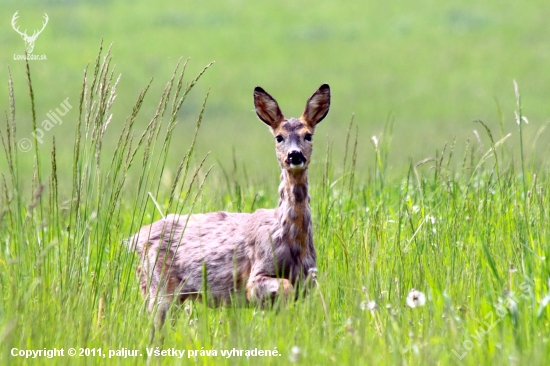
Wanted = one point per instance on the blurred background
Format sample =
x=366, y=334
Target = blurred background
x=432, y=66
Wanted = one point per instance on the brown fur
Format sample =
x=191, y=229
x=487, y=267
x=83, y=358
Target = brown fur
x=221, y=255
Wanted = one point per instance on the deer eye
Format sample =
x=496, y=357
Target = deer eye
x=279, y=138
x=308, y=137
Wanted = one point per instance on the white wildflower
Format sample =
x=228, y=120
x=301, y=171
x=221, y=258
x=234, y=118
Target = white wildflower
x=416, y=299
x=368, y=305
x=372, y=305
x=294, y=354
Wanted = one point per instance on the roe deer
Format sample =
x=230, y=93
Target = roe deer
x=220, y=254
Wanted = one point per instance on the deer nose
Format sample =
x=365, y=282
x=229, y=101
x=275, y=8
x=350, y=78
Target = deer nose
x=295, y=157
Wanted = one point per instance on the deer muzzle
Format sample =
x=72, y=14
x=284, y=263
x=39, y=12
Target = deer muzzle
x=296, y=159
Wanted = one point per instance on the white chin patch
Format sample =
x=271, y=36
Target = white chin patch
x=294, y=166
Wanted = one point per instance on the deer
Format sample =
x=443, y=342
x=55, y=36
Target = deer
x=29, y=40
x=258, y=257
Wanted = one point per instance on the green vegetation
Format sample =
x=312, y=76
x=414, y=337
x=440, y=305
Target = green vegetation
x=473, y=239
x=435, y=66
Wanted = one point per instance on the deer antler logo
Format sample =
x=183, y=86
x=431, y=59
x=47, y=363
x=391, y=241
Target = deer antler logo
x=29, y=40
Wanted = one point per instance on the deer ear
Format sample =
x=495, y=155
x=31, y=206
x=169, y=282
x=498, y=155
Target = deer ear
x=267, y=108
x=317, y=106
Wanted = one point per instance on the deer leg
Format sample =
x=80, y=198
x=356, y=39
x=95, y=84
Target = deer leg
x=161, y=295
x=151, y=291
x=263, y=288
x=160, y=318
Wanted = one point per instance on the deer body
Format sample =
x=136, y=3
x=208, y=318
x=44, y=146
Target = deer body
x=259, y=255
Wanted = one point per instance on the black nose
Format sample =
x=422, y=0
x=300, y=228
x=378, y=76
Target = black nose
x=296, y=158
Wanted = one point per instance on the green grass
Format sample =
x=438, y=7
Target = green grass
x=436, y=66
x=469, y=230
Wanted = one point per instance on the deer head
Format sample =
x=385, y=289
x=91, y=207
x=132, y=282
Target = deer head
x=294, y=137
x=29, y=40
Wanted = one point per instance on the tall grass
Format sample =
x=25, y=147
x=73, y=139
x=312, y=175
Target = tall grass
x=474, y=239
x=433, y=64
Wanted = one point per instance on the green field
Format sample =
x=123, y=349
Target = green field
x=429, y=204
x=434, y=66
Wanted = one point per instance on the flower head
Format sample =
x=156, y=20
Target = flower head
x=416, y=299
x=295, y=354
x=368, y=305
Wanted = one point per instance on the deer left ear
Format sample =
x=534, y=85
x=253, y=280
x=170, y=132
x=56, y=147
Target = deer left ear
x=317, y=106
x=267, y=108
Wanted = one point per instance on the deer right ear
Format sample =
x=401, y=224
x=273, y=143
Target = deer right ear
x=267, y=108
x=317, y=106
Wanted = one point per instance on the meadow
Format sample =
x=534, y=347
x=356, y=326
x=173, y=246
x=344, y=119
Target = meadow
x=433, y=67
x=404, y=195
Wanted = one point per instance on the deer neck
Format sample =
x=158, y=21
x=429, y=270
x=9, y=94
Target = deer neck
x=293, y=211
